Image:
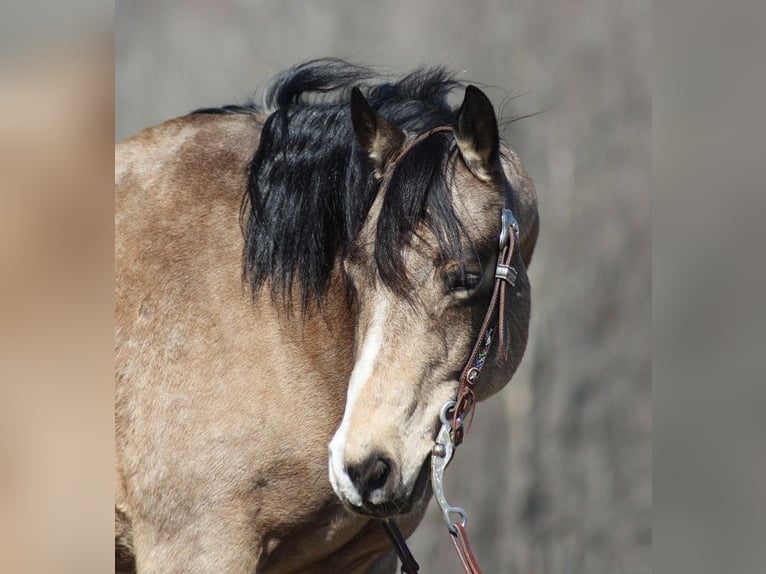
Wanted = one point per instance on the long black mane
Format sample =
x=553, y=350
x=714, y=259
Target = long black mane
x=310, y=186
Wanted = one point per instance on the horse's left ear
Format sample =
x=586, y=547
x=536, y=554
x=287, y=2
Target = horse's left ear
x=477, y=134
x=381, y=139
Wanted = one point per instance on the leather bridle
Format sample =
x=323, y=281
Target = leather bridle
x=453, y=413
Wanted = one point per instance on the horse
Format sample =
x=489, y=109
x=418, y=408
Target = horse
x=298, y=285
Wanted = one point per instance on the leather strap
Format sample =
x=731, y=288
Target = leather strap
x=464, y=552
x=411, y=143
x=476, y=360
x=409, y=564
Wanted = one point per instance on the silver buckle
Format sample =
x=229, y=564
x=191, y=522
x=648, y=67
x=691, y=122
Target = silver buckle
x=508, y=222
x=506, y=273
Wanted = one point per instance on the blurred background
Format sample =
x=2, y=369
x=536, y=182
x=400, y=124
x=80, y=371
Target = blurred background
x=556, y=471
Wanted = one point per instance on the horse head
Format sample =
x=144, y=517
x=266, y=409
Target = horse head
x=421, y=270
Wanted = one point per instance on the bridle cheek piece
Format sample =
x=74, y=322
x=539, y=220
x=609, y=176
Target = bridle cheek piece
x=452, y=414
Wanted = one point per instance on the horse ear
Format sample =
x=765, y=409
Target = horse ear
x=477, y=135
x=376, y=135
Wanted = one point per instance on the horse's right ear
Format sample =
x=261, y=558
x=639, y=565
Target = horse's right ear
x=381, y=139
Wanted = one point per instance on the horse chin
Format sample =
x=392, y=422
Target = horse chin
x=418, y=496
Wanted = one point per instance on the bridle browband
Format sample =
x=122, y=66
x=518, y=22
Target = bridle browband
x=453, y=413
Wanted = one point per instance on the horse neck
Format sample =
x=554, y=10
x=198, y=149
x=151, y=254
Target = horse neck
x=324, y=333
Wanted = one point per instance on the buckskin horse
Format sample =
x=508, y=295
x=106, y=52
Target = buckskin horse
x=301, y=289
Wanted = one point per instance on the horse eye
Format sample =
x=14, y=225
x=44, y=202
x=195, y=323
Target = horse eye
x=462, y=282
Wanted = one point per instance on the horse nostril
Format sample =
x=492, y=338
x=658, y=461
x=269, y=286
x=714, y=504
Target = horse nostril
x=371, y=474
x=379, y=476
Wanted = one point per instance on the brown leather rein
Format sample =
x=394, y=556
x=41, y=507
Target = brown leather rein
x=453, y=413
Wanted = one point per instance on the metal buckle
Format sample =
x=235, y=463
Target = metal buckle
x=508, y=222
x=441, y=455
x=506, y=273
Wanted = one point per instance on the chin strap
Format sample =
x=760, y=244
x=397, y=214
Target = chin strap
x=409, y=564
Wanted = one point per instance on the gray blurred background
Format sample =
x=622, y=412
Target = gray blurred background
x=556, y=471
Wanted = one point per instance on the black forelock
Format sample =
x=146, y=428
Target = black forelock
x=418, y=192
x=310, y=186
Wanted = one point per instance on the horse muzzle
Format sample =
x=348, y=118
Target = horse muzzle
x=374, y=487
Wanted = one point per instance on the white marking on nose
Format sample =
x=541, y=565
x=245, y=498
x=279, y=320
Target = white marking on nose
x=373, y=341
